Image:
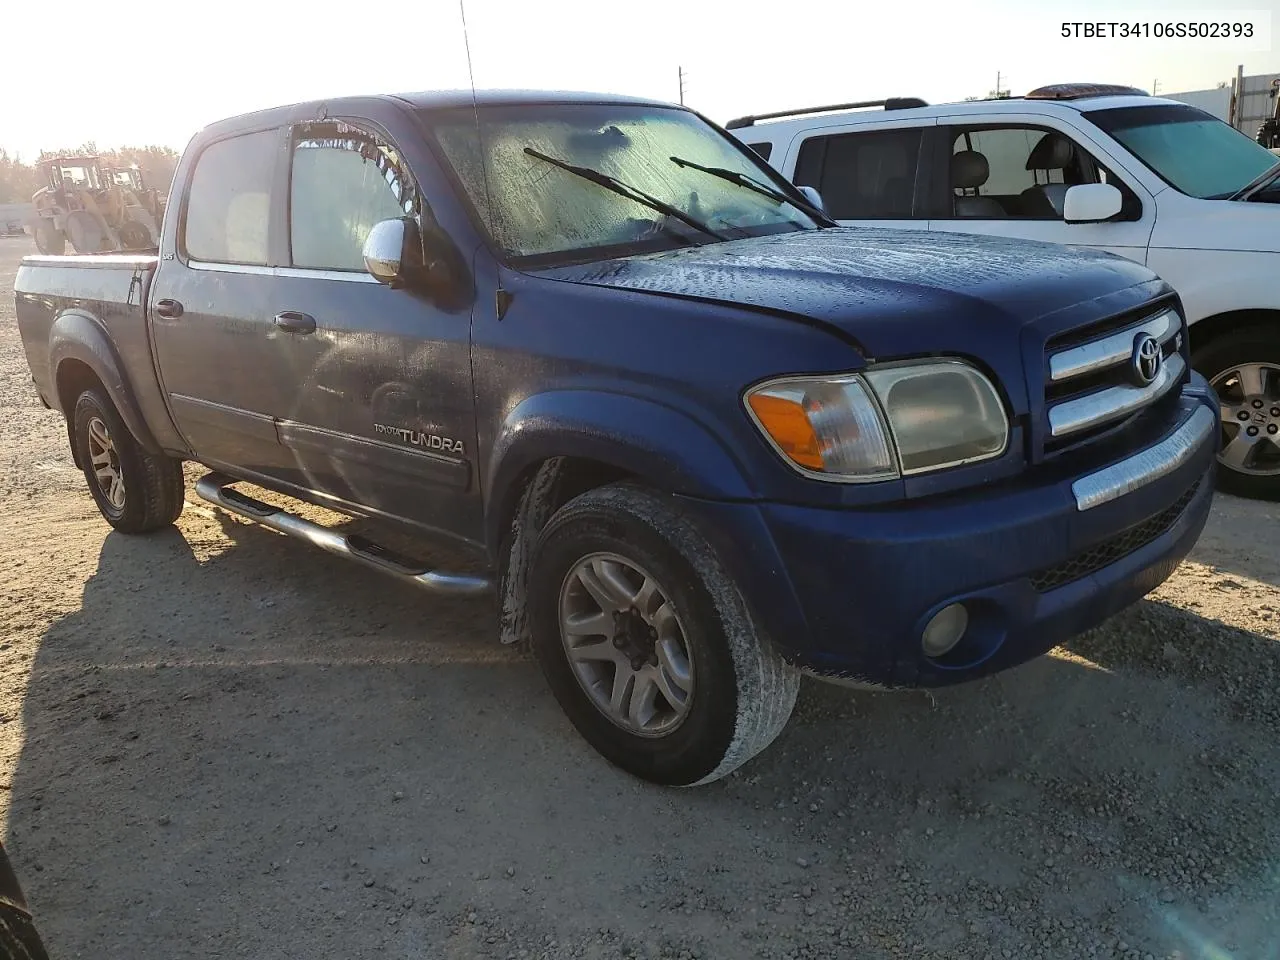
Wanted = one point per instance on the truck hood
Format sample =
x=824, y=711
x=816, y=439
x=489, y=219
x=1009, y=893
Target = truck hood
x=895, y=292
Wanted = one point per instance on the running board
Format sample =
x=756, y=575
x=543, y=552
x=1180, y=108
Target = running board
x=217, y=489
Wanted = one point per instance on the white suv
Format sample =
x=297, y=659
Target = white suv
x=1106, y=167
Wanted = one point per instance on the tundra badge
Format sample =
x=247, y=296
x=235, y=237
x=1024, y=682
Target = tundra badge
x=428, y=441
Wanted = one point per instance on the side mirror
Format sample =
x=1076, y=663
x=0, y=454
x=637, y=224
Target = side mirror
x=813, y=196
x=393, y=251
x=1091, y=203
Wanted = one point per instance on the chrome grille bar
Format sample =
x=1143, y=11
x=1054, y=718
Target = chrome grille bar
x=1113, y=349
x=1113, y=403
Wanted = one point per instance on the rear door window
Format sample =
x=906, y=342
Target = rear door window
x=862, y=176
x=229, y=200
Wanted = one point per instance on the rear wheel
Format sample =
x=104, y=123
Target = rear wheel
x=137, y=492
x=648, y=645
x=135, y=236
x=1244, y=368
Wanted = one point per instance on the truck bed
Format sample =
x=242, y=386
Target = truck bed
x=108, y=290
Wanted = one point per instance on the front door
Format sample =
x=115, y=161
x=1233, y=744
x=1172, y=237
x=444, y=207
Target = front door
x=1008, y=178
x=381, y=412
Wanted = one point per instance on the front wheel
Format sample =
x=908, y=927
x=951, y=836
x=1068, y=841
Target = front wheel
x=1244, y=368
x=49, y=239
x=136, y=491
x=648, y=645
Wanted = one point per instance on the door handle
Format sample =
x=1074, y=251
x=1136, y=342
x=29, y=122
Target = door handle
x=291, y=321
x=168, y=309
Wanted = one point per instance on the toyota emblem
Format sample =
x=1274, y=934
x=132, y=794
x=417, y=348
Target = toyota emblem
x=1147, y=359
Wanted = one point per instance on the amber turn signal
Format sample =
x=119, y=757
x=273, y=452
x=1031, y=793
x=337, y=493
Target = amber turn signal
x=786, y=422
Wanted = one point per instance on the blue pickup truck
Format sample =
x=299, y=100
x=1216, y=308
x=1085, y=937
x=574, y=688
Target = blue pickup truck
x=697, y=438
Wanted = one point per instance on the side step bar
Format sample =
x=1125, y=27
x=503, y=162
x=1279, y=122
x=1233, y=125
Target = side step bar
x=217, y=489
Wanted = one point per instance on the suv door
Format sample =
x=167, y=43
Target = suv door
x=382, y=412
x=219, y=353
x=1029, y=164
x=866, y=174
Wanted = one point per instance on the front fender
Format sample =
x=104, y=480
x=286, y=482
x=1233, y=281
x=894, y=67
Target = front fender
x=77, y=335
x=664, y=447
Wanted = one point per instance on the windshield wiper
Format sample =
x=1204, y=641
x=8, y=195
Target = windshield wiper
x=742, y=180
x=626, y=190
x=1257, y=183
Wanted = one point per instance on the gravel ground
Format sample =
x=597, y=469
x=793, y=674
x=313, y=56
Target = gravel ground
x=215, y=742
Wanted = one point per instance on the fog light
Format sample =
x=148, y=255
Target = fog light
x=944, y=630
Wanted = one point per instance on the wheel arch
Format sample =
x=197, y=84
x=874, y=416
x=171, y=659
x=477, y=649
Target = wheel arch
x=590, y=438
x=555, y=446
x=81, y=357
x=1219, y=325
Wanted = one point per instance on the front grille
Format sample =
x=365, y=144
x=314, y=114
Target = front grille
x=1109, y=551
x=1090, y=378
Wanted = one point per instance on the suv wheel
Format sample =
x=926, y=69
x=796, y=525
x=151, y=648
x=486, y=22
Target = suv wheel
x=135, y=491
x=1244, y=368
x=648, y=645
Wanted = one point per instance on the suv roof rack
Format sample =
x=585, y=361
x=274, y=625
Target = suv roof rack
x=1077, y=91
x=893, y=103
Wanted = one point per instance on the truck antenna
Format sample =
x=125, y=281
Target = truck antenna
x=502, y=298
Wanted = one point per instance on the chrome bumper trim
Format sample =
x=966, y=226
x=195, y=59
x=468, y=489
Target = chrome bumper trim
x=1113, y=482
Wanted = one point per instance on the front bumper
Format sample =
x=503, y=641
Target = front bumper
x=1035, y=563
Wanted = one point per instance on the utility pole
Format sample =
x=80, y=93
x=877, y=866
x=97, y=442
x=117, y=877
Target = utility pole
x=680, y=75
x=1155, y=87
x=997, y=84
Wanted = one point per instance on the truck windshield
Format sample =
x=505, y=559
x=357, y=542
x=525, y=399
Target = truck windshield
x=1192, y=151
x=537, y=211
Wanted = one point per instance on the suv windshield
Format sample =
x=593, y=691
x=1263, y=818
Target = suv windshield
x=536, y=210
x=1189, y=149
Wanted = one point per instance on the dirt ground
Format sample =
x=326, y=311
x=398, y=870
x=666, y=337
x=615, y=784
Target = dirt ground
x=217, y=742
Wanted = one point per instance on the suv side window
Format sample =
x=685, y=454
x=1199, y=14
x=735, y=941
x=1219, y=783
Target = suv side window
x=1016, y=172
x=229, y=200
x=862, y=176
x=764, y=149
x=343, y=180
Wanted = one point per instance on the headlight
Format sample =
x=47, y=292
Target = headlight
x=898, y=419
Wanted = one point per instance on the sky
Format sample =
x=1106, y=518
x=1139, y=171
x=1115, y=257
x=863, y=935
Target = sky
x=183, y=65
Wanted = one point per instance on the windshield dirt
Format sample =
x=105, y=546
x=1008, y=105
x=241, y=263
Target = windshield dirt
x=1190, y=150
x=575, y=181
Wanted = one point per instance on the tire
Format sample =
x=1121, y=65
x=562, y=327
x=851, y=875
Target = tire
x=50, y=241
x=137, y=492
x=86, y=232
x=134, y=236
x=1226, y=362
x=18, y=937
x=737, y=691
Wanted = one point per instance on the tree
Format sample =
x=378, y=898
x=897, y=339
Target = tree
x=991, y=95
x=18, y=181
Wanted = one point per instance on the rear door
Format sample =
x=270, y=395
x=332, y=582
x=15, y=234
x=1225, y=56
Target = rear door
x=381, y=410
x=1030, y=163
x=868, y=175
x=222, y=361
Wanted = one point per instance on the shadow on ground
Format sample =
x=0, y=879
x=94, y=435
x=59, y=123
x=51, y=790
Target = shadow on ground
x=256, y=750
